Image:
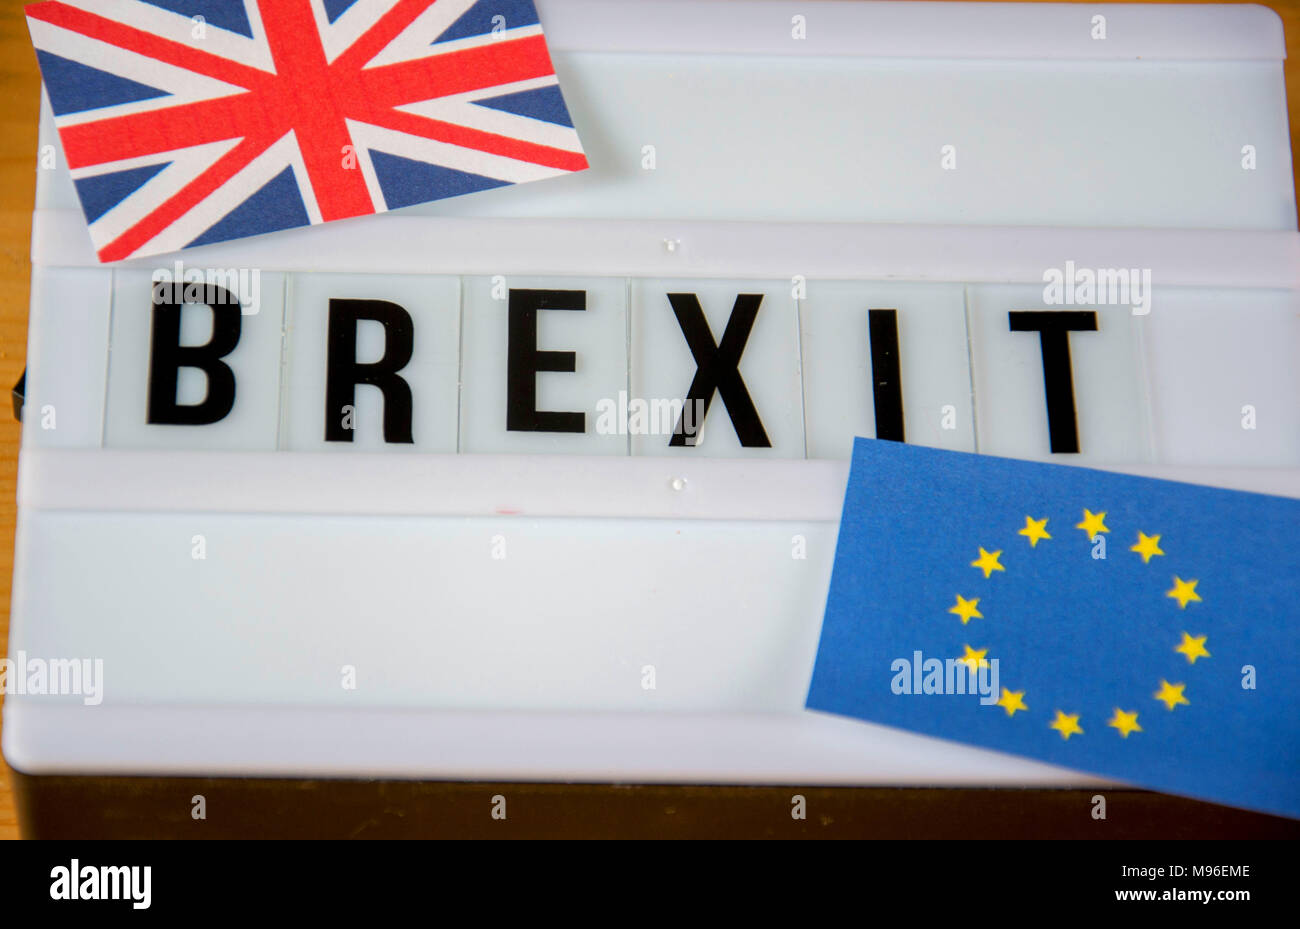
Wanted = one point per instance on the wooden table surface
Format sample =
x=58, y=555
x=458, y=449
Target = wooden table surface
x=20, y=93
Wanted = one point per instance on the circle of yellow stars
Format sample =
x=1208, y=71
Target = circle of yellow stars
x=1124, y=722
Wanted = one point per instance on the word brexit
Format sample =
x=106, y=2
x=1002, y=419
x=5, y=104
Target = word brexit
x=702, y=371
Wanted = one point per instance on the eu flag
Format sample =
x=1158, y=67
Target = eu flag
x=1142, y=630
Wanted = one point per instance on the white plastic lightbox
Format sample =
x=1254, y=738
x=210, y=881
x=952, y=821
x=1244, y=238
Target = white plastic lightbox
x=599, y=604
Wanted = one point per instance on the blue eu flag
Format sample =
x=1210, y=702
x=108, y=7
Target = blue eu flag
x=1143, y=630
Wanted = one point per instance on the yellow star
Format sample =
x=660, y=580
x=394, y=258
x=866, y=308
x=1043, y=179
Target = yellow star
x=1184, y=592
x=1171, y=694
x=1147, y=546
x=966, y=609
x=988, y=562
x=974, y=658
x=1012, y=701
x=1124, y=722
x=1092, y=524
x=1193, y=646
x=1034, y=530
x=1066, y=724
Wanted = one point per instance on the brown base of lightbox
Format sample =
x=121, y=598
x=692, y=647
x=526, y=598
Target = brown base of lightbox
x=84, y=807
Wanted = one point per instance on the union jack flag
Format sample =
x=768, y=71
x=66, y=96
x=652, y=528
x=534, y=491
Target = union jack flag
x=186, y=122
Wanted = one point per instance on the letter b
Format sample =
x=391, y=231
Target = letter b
x=167, y=356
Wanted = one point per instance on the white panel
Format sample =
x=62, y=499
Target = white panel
x=67, y=357
x=433, y=304
x=409, y=244
x=915, y=29
x=255, y=362
x=1109, y=383
x=149, y=481
x=452, y=613
x=733, y=141
x=1225, y=375
x=663, y=366
x=837, y=370
x=768, y=138
x=596, y=335
x=774, y=748
x=54, y=187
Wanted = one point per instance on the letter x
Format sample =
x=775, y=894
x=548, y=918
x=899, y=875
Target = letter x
x=717, y=367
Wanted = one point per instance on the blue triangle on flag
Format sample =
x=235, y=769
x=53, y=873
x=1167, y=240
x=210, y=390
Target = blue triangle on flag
x=74, y=87
x=101, y=193
x=224, y=14
x=336, y=8
x=405, y=181
x=478, y=19
x=544, y=103
x=278, y=205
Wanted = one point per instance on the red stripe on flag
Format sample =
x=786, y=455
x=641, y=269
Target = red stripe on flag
x=477, y=139
x=308, y=99
x=385, y=29
x=483, y=66
x=141, y=134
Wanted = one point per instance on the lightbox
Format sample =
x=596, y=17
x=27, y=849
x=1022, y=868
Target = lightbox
x=428, y=499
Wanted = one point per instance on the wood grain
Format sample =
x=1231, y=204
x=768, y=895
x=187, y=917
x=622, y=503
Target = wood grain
x=20, y=94
x=19, y=111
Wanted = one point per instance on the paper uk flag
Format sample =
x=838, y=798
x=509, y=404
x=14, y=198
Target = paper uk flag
x=186, y=122
x=1138, y=629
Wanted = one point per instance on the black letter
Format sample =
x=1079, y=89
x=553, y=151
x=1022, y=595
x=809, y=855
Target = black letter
x=343, y=373
x=523, y=361
x=886, y=383
x=717, y=367
x=1058, y=381
x=168, y=356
